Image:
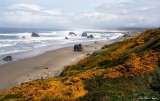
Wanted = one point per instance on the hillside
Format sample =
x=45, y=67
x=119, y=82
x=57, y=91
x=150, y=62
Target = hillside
x=126, y=70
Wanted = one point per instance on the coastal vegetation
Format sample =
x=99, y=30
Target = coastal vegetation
x=125, y=71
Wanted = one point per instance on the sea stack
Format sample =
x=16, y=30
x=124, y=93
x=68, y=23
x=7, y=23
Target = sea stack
x=90, y=36
x=84, y=34
x=35, y=34
x=66, y=38
x=72, y=33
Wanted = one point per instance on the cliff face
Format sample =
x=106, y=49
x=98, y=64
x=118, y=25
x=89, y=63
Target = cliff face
x=127, y=70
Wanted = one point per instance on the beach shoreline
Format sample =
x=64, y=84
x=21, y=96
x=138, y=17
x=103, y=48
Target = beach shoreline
x=46, y=65
x=16, y=56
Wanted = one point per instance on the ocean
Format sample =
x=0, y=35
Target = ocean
x=19, y=43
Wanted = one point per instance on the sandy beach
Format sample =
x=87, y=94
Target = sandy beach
x=46, y=65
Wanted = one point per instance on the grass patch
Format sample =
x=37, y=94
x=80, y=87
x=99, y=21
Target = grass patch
x=112, y=44
x=147, y=46
x=122, y=89
x=9, y=96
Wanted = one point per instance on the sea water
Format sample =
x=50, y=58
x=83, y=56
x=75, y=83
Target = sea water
x=19, y=43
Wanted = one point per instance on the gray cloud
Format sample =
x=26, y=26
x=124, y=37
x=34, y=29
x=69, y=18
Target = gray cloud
x=109, y=13
x=133, y=13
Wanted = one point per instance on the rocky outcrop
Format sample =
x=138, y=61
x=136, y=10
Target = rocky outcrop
x=90, y=36
x=78, y=47
x=84, y=34
x=72, y=33
x=35, y=34
x=66, y=38
x=7, y=58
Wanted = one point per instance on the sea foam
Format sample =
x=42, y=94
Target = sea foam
x=15, y=43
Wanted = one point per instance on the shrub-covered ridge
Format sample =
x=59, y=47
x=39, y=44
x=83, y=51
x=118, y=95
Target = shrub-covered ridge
x=126, y=70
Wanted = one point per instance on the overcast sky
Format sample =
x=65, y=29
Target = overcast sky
x=79, y=13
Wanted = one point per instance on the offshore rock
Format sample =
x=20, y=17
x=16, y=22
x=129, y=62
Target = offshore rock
x=90, y=36
x=35, y=34
x=66, y=38
x=72, y=33
x=84, y=34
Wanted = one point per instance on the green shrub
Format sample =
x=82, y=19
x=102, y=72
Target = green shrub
x=9, y=96
x=121, y=89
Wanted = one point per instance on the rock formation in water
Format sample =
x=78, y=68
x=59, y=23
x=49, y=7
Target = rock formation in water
x=72, y=33
x=84, y=34
x=35, y=34
x=90, y=36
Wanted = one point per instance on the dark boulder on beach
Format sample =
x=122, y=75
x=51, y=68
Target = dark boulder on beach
x=90, y=36
x=78, y=47
x=72, y=33
x=84, y=34
x=35, y=34
x=7, y=58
